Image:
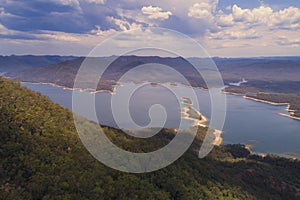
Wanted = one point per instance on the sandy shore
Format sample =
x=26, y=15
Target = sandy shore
x=265, y=101
x=288, y=105
x=92, y=91
x=186, y=101
x=285, y=155
x=218, y=139
x=197, y=122
x=200, y=120
x=289, y=116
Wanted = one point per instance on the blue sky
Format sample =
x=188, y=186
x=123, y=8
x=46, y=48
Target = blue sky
x=230, y=28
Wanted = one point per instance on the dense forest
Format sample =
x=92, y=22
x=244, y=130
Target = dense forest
x=43, y=158
x=291, y=98
x=16, y=63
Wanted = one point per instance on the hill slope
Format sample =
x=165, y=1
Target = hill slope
x=267, y=74
x=64, y=73
x=275, y=79
x=18, y=63
x=43, y=158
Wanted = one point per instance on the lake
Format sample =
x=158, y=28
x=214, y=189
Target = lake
x=247, y=122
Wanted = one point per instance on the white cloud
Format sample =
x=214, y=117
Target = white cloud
x=264, y=29
x=3, y=29
x=201, y=10
x=3, y=13
x=99, y=32
x=256, y=31
x=260, y=15
x=59, y=36
x=96, y=1
x=123, y=24
x=73, y=3
x=287, y=18
x=288, y=42
x=67, y=2
x=137, y=15
x=224, y=20
x=235, y=34
x=256, y=27
x=228, y=8
x=155, y=12
x=203, y=14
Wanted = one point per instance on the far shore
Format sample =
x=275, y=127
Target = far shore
x=288, y=105
x=289, y=116
x=285, y=155
x=92, y=91
x=265, y=101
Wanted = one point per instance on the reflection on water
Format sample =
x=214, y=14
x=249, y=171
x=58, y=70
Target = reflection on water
x=247, y=122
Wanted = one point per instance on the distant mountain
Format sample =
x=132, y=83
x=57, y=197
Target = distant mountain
x=18, y=63
x=42, y=157
x=232, y=69
x=64, y=73
x=275, y=79
x=267, y=72
x=274, y=75
x=260, y=69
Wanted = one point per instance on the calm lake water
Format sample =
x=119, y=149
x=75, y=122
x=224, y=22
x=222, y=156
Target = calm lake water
x=247, y=121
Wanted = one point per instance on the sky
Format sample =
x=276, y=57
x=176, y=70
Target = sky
x=225, y=28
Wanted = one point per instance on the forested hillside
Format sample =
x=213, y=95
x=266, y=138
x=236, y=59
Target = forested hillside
x=15, y=63
x=43, y=158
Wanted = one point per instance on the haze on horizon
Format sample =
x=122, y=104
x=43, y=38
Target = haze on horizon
x=225, y=28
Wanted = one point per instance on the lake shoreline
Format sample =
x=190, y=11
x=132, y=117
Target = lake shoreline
x=218, y=140
x=92, y=91
x=200, y=122
x=288, y=105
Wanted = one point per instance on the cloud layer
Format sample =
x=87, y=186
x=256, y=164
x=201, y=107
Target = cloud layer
x=225, y=29
x=155, y=12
